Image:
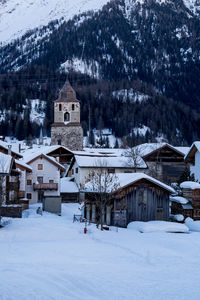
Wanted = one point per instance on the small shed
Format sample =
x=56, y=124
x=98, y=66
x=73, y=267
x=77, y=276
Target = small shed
x=52, y=204
x=138, y=197
x=181, y=206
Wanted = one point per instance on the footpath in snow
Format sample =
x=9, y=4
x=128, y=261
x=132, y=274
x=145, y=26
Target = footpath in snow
x=49, y=258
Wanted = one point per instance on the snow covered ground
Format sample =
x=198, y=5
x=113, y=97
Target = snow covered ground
x=49, y=257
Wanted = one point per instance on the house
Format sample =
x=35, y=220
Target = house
x=7, y=149
x=9, y=187
x=82, y=165
x=44, y=180
x=165, y=162
x=192, y=157
x=138, y=197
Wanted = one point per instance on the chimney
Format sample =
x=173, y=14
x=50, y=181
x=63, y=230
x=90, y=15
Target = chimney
x=9, y=149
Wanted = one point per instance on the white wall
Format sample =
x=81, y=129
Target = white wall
x=49, y=172
x=83, y=173
x=196, y=168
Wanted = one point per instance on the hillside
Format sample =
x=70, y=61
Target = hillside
x=145, y=72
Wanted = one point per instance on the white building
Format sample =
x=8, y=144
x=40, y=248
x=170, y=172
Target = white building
x=82, y=165
x=193, y=158
x=44, y=180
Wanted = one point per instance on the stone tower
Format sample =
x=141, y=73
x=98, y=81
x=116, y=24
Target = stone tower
x=66, y=129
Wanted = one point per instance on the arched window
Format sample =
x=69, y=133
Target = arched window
x=60, y=107
x=73, y=107
x=66, y=117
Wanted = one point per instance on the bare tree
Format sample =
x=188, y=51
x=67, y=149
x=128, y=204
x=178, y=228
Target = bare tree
x=101, y=184
x=134, y=157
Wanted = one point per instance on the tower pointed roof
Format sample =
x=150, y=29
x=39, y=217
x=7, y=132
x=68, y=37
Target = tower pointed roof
x=67, y=93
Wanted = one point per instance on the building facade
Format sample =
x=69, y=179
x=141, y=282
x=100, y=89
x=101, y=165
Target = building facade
x=66, y=129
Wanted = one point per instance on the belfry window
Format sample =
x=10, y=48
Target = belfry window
x=73, y=107
x=66, y=117
x=60, y=107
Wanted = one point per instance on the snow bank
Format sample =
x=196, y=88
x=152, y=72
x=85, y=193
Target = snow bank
x=178, y=218
x=190, y=185
x=179, y=199
x=154, y=226
x=192, y=225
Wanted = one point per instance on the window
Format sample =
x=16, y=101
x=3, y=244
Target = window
x=59, y=142
x=40, y=179
x=72, y=171
x=66, y=117
x=111, y=170
x=29, y=196
x=51, y=181
x=73, y=107
x=76, y=170
x=60, y=107
x=40, y=166
x=29, y=181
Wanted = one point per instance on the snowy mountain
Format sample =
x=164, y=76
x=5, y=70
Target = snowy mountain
x=18, y=17
x=130, y=74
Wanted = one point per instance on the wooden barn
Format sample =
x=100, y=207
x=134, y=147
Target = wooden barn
x=166, y=163
x=138, y=198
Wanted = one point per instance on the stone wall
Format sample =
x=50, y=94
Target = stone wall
x=70, y=136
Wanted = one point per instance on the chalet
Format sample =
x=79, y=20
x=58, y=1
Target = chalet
x=165, y=162
x=9, y=186
x=44, y=180
x=138, y=197
x=62, y=154
x=192, y=157
x=82, y=165
x=7, y=149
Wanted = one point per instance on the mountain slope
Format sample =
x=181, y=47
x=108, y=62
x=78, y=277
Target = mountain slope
x=19, y=16
x=140, y=47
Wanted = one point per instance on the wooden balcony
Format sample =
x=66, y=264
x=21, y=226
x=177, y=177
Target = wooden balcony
x=45, y=186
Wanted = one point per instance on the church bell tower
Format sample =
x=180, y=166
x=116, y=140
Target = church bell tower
x=66, y=129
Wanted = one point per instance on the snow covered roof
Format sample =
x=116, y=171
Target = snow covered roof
x=179, y=199
x=190, y=151
x=68, y=186
x=147, y=149
x=121, y=180
x=187, y=206
x=5, y=146
x=126, y=179
x=30, y=156
x=5, y=163
x=108, y=162
x=190, y=185
x=23, y=164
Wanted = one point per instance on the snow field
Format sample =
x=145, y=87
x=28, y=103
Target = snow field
x=49, y=257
